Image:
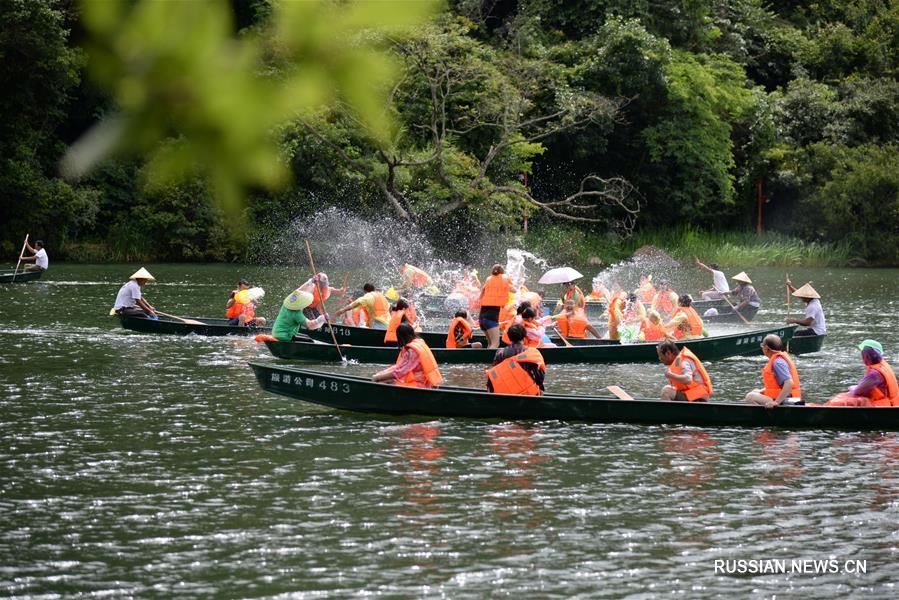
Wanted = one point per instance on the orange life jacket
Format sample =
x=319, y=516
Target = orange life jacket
x=663, y=302
x=249, y=312
x=396, y=318
x=504, y=324
x=360, y=317
x=652, y=332
x=235, y=310
x=466, y=332
x=416, y=276
x=427, y=374
x=569, y=295
x=509, y=378
x=691, y=390
x=877, y=396
x=647, y=292
x=693, y=320
x=772, y=389
x=317, y=301
x=575, y=327
x=379, y=310
x=496, y=291
x=615, y=307
x=529, y=341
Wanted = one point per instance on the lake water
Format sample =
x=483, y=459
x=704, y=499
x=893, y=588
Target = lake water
x=140, y=465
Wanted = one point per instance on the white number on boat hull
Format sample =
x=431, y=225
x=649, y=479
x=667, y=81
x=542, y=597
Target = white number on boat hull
x=309, y=382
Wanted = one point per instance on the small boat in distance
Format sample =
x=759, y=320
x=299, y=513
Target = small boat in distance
x=10, y=276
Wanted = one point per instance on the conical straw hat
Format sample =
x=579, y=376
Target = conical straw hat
x=806, y=291
x=298, y=300
x=142, y=273
x=742, y=277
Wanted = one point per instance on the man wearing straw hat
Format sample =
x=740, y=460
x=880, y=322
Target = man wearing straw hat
x=744, y=290
x=130, y=301
x=814, y=312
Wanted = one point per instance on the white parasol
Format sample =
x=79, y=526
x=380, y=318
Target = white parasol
x=560, y=275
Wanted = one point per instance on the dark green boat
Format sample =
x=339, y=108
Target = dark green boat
x=728, y=315
x=210, y=327
x=806, y=344
x=363, y=395
x=707, y=349
x=20, y=277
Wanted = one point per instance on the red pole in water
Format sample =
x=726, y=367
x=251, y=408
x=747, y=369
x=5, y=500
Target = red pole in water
x=760, y=201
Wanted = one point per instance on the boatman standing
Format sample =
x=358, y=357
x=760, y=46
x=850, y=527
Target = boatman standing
x=39, y=258
x=415, y=366
x=130, y=301
x=814, y=312
x=688, y=380
x=780, y=377
x=518, y=369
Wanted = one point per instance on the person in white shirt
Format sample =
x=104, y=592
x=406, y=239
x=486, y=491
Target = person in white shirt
x=719, y=281
x=130, y=301
x=40, y=260
x=814, y=312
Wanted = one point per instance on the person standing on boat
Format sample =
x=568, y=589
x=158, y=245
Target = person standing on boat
x=685, y=322
x=877, y=388
x=688, y=381
x=290, y=318
x=39, y=258
x=375, y=304
x=814, y=312
x=744, y=291
x=415, y=366
x=130, y=301
x=518, y=369
x=780, y=377
x=319, y=286
x=494, y=296
x=719, y=280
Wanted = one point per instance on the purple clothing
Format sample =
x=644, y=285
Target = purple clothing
x=872, y=379
x=781, y=371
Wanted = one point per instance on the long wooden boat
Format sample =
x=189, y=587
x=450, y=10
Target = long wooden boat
x=11, y=276
x=710, y=348
x=210, y=327
x=728, y=315
x=359, y=394
x=806, y=344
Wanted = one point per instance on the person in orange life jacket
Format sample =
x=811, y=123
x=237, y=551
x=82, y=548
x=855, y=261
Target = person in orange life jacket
x=685, y=322
x=598, y=291
x=242, y=285
x=375, y=305
x=616, y=304
x=321, y=290
x=652, y=330
x=779, y=376
x=459, y=335
x=399, y=313
x=356, y=317
x=687, y=377
x=572, y=322
x=535, y=370
x=535, y=330
x=507, y=319
x=244, y=308
x=571, y=292
x=665, y=300
x=878, y=387
x=646, y=291
x=494, y=296
x=415, y=366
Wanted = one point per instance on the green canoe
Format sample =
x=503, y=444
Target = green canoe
x=363, y=395
x=806, y=344
x=20, y=277
x=209, y=327
x=707, y=349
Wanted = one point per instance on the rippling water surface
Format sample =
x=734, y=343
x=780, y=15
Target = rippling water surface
x=154, y=466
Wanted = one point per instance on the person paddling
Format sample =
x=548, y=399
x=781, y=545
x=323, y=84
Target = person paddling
x=518, y=369
x=746, y=294
x=459, y=334
x=415, y=366
x=494, y=296
x=688, y=381
x=719, y=280
x=814, y=312
x=290, y=318
x=780, y=377
x=877, y=388
x=320, y=288
x=130, y=301
x=39, y=258
x=375, y=304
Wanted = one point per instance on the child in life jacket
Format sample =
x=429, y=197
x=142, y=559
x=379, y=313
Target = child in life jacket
x=517, y=368
x=460, y=331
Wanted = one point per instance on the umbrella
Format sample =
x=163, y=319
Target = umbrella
x=560, y=275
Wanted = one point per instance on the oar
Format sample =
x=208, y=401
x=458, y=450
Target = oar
x=182, y=319
x=327, y=318
x=567, y=343
x=723, y=297
x=788, y=295
x=619, y=393
x=21, y=255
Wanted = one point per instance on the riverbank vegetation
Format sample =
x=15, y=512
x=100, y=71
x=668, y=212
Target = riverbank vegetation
x=604, y=125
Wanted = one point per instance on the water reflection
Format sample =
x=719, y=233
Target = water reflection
x=421, y=454
x=688, y=459
x=783, y=451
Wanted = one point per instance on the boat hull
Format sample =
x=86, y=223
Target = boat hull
x=362, y=395
x=806, y=344
x=707, y=349
x=209, y=327
x=20, y=277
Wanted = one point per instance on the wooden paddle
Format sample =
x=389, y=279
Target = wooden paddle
x=327, y=318
x=619, y=393
x=788, y=295
x=567, y=343
x=21, y=256
x=723, y=297
x=182, y=319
